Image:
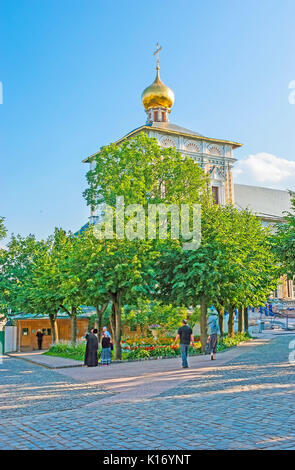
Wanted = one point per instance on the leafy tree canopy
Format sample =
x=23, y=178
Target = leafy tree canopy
x=283, y=243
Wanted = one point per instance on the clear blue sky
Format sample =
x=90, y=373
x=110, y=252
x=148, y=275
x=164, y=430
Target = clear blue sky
x=73, y=72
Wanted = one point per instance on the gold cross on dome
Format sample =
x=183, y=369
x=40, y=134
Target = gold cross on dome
x=157, y=52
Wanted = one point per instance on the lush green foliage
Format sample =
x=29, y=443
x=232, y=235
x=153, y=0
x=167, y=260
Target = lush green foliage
x=138, y=354
x=230, y=341
x=138, y=169
x=141, y=351
x=234, y=265
x=17, y=265
x=148, y=313
x=3, y=230
x=142, y=172
x=283, y=243
x=143, y=282
x=68, y=350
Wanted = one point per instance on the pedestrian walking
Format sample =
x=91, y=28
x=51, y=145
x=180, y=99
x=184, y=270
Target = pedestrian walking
x=39, y=337
x=90, y=359
x=213, y=332
x=185, y=335
x=106, y=353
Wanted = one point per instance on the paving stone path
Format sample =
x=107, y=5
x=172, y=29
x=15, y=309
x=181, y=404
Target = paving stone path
x=248, y=403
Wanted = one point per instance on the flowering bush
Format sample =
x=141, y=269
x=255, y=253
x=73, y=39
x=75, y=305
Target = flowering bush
x=145, y=348
x=158, y=350
x=147, y=341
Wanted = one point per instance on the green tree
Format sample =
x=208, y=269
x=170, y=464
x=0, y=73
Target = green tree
x=71, y=283
x=16, y=265
x=251, y=268
x=125, y=274
x=45, y=292
x=230, y=268
x=283, y=243
x=147, y=313
x=3, y=230
x=143, y=173
x=89, y=259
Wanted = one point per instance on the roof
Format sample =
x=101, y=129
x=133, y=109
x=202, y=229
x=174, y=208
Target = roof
x=169, y=128
x=82, y=229
x=265, y=202
x=87, y=312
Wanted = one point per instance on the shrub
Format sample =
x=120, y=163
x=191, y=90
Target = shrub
x=69, y=350
x=230, y=341
x=138, y=354
x=165, y=351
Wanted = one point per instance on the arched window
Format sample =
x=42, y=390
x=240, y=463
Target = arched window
x=156, y=116
x=215, y=193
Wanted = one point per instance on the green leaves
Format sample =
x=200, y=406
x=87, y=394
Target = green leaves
x=283, y=243
x=234, y=264
x=137, y=170
x=3, y=230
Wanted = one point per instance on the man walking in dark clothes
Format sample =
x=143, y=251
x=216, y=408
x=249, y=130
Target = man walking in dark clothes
x=39, y=336
x=91, y=349
x=185, y=335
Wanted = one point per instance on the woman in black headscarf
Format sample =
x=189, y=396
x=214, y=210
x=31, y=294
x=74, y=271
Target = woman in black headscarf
x=91, y=349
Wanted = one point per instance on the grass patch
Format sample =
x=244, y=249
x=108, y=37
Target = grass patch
x=68, y=351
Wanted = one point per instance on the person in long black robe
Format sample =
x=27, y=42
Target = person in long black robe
x=91, y=351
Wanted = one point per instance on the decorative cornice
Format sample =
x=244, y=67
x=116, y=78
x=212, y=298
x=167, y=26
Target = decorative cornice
x=168, y=131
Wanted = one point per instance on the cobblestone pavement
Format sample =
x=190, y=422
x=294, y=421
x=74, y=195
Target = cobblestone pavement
x=27, y=390
x=247, y=403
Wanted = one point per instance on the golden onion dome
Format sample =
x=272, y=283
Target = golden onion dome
x=157, y=95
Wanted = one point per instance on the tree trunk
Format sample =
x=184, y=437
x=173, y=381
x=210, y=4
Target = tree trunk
x=203, y=323
x=74, y=325
x=54, y=329
x=246, y=321
x=112, y=322
x=231, y=320
x=99, y=314
x=117, y=311
x=221, y=320
x=240, y=319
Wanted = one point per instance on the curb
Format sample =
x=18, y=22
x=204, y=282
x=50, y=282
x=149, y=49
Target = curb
x=44, y=365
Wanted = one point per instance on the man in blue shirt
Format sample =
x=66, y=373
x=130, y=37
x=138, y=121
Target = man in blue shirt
x=213, y=332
